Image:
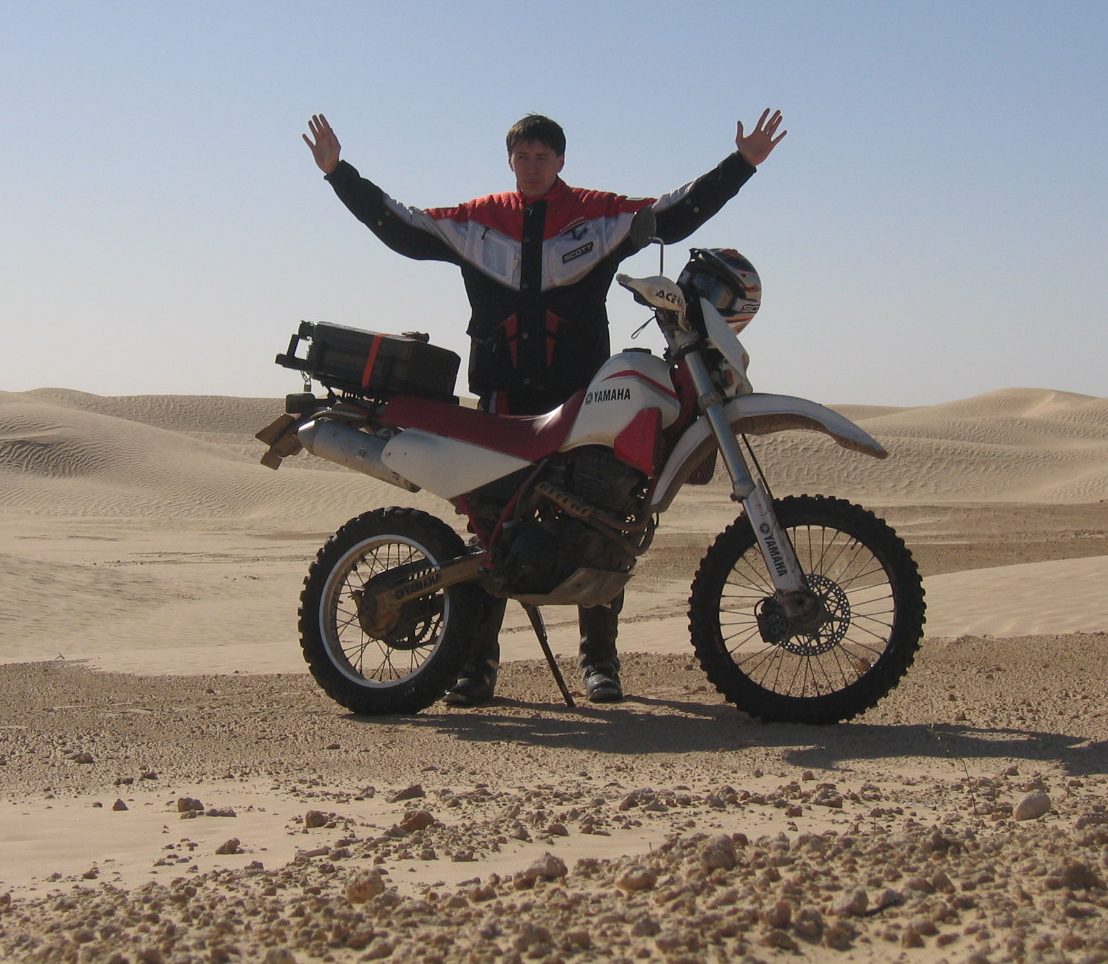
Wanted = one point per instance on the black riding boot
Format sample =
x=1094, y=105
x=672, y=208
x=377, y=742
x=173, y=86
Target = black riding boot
x=477, y=681
x=598, y=660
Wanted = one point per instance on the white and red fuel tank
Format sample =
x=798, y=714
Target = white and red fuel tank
x=626, y=385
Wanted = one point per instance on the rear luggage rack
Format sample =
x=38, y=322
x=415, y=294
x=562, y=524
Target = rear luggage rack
x=370, y=364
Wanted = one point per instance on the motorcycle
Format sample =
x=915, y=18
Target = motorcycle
x=805, y=609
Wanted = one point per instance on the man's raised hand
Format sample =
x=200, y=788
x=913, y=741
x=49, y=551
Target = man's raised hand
x=325, y=148
x=757, y=145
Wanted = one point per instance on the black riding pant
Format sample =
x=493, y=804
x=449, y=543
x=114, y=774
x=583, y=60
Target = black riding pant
x=599, y=626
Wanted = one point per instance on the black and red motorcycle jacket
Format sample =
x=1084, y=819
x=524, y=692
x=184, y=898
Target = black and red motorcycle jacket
x=536, y=272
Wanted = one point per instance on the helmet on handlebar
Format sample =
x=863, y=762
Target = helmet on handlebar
x=727, y=280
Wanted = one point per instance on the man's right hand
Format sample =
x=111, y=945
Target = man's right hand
x=325, y=148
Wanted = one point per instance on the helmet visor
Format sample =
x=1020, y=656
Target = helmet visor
x=719, y=294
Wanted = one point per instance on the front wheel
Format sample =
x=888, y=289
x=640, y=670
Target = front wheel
x=834, y=667
x=393, y=662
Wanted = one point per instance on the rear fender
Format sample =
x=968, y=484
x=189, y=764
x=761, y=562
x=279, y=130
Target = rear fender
x=757, y=414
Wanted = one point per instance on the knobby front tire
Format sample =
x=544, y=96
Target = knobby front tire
x=403, y=667
x=872, y=594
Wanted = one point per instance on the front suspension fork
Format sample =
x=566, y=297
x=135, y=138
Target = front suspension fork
x=777, y=550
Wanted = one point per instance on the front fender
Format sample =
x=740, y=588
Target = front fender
x=757, y=414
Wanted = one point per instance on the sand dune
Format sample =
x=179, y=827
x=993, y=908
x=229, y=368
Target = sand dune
x=182, y=413
x=1019, y=445
x=66, y=454
x=189, y=457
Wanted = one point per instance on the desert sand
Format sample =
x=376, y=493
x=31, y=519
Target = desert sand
x=176, y=788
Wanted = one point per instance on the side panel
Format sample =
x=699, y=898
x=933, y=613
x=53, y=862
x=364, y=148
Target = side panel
x=446, y=467
x=626, y=384
x=758, y=414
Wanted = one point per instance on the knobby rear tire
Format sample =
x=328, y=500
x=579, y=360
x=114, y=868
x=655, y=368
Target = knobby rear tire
x=411, y=665
x=871, y=588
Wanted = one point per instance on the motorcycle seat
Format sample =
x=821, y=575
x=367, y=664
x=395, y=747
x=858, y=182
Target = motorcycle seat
x=528, y=437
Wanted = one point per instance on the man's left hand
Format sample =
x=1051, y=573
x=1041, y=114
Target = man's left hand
x=760, y=142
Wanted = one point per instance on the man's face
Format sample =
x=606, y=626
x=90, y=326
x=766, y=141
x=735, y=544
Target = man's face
x=536, y=167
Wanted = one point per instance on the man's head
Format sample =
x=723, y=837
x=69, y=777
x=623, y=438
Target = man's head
x=536, y=154
x=535, y=127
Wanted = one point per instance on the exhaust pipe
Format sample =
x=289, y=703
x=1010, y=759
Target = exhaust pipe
x=346, y=446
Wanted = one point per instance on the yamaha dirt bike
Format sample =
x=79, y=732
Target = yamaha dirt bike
x=805, y=609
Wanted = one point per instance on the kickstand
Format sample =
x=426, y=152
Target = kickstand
x=540, y=630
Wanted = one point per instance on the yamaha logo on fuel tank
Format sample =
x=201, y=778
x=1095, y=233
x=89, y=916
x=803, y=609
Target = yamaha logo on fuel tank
x=608, y=395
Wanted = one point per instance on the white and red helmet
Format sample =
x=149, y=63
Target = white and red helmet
x=727, y=280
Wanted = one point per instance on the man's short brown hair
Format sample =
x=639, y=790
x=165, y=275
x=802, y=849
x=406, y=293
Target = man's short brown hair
x=536, y=127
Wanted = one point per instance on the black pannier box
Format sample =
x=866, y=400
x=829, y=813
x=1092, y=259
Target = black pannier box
x=368, y=363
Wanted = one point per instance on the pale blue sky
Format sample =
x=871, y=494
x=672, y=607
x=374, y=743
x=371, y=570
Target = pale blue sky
x=934, y=226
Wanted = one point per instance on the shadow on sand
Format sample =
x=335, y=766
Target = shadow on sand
x=643, y=725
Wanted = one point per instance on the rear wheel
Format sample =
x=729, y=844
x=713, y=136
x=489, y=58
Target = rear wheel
x=374, y=660
x=835, y=666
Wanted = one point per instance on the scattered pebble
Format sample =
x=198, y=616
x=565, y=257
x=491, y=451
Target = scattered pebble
x=637, y=878
x=314, y=819
x=852, y=904
x=1032, y=806
x=364, y=885
x=547, y=867
x=718, y=853
x=416, y=820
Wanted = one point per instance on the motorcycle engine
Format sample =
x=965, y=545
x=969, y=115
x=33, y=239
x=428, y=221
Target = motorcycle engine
x=545, y=549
